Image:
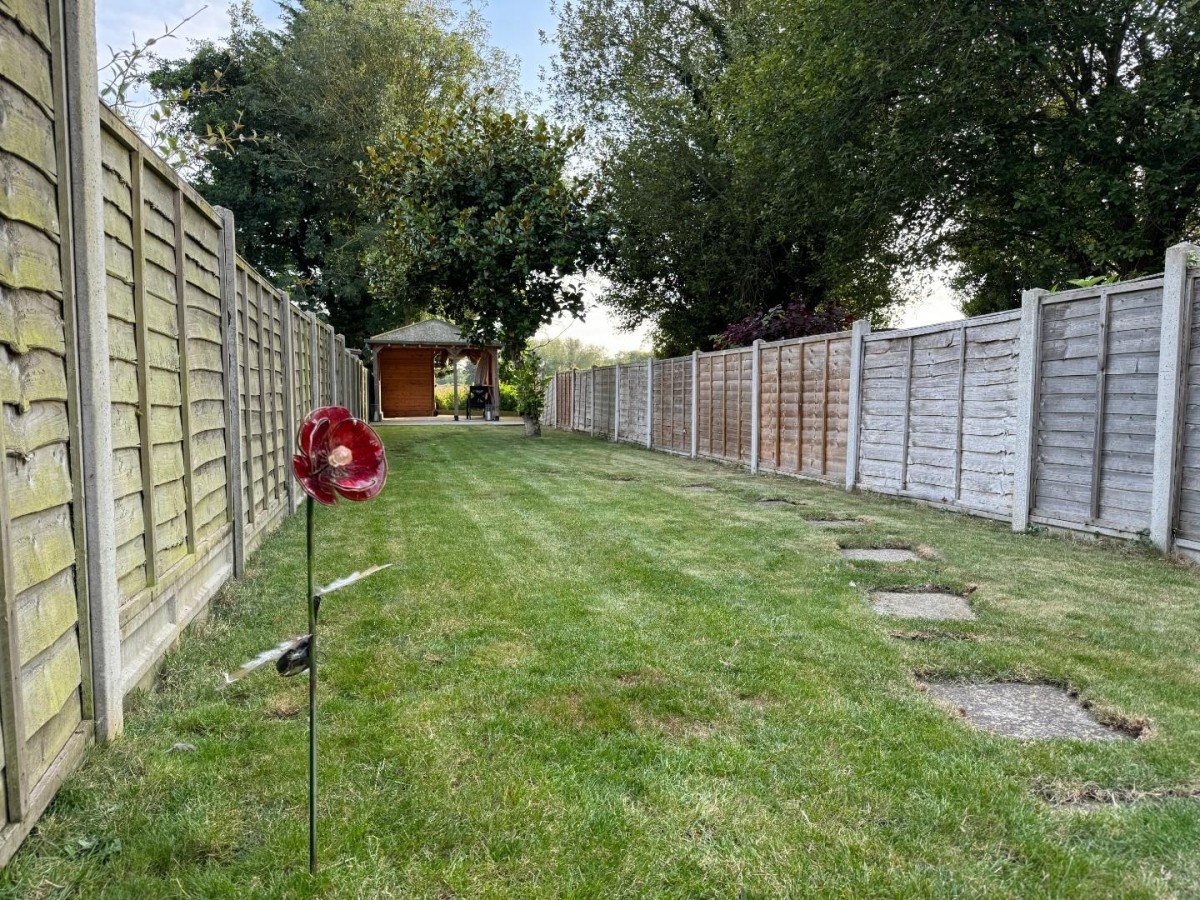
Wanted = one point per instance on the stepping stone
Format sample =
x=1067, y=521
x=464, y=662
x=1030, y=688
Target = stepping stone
x=833, y=523
x=879, y=554
x=699, y=488
x=1024, y=711
x=922, y=605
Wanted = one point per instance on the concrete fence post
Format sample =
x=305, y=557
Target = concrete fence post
x=227, y=262
x=289, y=394
x=314, y=350
x=377, y=408
x=90, y=316
x=1175, y=336
x=650, y=403
x=858, y=346
x=616, y=435
x=755, y=398
x=1027, y=392
x=695, y=403
x=335, y=394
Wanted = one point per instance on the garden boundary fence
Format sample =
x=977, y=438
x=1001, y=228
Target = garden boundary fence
x=151, y=383
x=1078, y=411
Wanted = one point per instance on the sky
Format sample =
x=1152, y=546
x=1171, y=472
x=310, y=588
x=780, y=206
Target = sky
x=515, y=27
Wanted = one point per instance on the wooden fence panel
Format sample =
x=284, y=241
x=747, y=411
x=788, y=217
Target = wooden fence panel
x=1130, y=385
x=132, y=567
x=938, y=413
x=1097, y=395
x=44, y=691
x=1188, y=522
x=324, y=356
x=206, y=383
x=606, y=400
x=302, y=364
x=633, y=402
x=672, y=404
x=171, y=476
x=988, y=429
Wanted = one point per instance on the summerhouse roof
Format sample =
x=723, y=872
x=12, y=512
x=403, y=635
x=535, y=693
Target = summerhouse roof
x=430, y=333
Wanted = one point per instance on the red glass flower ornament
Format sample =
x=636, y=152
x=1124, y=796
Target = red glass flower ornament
x=338, y=454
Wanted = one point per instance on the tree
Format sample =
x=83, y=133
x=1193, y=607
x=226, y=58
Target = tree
x=756, y=152
x=481, y=222
x=1026, y=142
x=783, y=322
x=694, y=246
x=560, y=354
x=334, y=79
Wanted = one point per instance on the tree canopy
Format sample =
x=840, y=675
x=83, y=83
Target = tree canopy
x=481, y=222
x=334, y=79
x=760, y=153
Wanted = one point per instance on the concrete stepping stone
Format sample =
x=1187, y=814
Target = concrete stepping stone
x=879, y=554
x=921, y=605
x=1024, y=711
x=699, y=488
x=833, y=523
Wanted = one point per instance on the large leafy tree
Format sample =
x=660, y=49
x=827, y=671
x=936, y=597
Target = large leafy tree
x=482, y=222
x=1024, y=143
x=694, y=247
x=762, y=152
x=316, y=93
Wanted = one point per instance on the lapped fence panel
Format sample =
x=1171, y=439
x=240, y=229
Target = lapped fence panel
x=1097, y=393
x=632, y=390
x=45, y=701
x=1188, y=517
x=671, y=402
x=938, y=413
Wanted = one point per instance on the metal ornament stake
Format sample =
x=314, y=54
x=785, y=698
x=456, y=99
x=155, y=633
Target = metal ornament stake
x=312, y=697
x=337, y=456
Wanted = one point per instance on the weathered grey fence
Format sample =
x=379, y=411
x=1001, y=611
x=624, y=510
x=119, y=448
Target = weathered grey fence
x=938, y=412
x=151, y=382
x=1079, y=411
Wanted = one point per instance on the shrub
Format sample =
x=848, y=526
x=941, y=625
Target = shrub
x=444, y=397
x=530, y=385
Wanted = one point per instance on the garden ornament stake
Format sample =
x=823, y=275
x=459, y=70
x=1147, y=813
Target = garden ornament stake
x=337, y=456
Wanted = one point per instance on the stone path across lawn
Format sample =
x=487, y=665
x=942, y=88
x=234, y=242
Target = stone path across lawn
x=921, y=605
x=879, y=554
x=1025, y=711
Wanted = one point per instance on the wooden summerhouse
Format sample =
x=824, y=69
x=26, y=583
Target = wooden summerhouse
x=405, y=360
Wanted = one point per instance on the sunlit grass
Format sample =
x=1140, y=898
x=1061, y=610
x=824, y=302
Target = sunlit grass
x=576, y=685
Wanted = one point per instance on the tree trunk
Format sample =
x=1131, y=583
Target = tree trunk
x=533, y=426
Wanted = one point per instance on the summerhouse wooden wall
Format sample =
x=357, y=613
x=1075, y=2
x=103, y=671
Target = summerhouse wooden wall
x=122, y=302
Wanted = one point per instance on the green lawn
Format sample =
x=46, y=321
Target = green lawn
x=576, y=685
